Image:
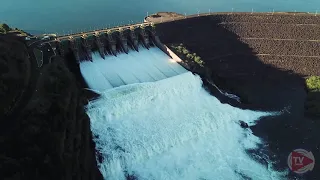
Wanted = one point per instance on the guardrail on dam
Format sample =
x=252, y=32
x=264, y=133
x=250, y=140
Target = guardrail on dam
x=107, y=42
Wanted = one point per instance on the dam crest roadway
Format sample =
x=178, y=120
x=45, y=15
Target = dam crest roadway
x=107, y=42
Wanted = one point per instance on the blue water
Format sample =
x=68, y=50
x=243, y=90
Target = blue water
x=64, y=16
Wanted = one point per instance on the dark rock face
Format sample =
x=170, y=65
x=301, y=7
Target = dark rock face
x=243, y=124
x=51, y=137
x=14, y=72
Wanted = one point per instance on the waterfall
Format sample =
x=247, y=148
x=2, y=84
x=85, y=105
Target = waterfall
x=154, y=120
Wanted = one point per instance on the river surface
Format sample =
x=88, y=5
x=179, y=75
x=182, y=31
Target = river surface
x=61, y=16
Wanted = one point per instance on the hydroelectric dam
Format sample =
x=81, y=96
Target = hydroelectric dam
x=153, y=119
x=114, y=51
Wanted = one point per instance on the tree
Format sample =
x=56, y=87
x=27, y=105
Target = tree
x=185, y=51
x=198, y=60
x=313, y=83
x=190, y=56
x=4, y=28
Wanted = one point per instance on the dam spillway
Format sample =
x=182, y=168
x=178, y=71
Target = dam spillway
x=122, y=57
x=135, y=67
x=154, y=120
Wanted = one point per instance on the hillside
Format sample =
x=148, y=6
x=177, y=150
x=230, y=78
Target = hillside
x=264, y=59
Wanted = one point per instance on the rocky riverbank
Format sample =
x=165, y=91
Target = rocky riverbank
x=49, y=137
x=15, y=72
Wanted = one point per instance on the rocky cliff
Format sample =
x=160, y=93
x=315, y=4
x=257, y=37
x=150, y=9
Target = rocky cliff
x=50, y=137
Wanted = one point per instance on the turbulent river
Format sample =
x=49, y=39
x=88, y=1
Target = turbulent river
x=154, y=120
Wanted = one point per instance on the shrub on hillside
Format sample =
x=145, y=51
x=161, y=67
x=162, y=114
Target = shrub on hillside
x=313, y=83
x=192, y=58
x=312, y=105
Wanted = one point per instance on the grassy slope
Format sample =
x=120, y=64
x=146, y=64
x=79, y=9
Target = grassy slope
x=312, y=105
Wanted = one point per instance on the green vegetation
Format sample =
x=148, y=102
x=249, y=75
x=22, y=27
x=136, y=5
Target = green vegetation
x=190, y=57
x=4, y=29
x=313, y=83
x=312, y=105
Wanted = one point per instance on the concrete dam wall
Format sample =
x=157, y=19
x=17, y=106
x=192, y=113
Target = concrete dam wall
x=110, y=43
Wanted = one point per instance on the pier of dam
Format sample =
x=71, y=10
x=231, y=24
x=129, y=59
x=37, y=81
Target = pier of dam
x=110, y=42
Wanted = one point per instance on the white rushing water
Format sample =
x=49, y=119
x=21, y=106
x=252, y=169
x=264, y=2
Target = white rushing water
x=169, y=129
x=135, y=67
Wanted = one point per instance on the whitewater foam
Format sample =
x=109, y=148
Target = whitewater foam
x=173, y=129
x=154, y=120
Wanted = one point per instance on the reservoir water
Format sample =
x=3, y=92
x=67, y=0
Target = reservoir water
x=167, y=127
x=61, y=16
